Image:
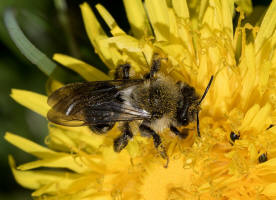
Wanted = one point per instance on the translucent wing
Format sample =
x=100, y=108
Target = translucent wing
x=97, y=102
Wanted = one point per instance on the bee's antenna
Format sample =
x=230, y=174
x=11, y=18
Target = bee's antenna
x=203, y=96
x=197, y=124
x=206, y=90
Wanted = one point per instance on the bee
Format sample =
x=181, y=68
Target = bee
x=154, y=103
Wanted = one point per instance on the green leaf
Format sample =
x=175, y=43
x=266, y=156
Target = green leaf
x=34, y=55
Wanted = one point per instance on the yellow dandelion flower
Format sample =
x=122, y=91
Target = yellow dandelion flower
x=235, y=158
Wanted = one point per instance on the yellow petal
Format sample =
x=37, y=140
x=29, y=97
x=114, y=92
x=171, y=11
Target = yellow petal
x=202, y=9
x=109, y=20
x=63, y=161
x=261, y=119
x=36, y=179
x=264, y=76
x=68, y=188
x=115, y=29
x=270, y=190
x=88, y=72
x=112, y=53
x=248, y=72
x=108, y=54
x=92, y=26
x=211, y=19
x=125, y=42
x=251, y=113
x=267, y=27
x=187, y=40
x=137, y=18
x=129, y=45
x=222, y=90
x=96, y=34
x=29, y=146
x=226, y=12
x=218, y=16
x=273, y=130
x=180, y=8
x=159, y=18
x=173, y=26
x=266, y=168
x=253, y=153
x=68, y=138
x=35, y=102
x=266, y=53
x=177, y=53
x=50, y=158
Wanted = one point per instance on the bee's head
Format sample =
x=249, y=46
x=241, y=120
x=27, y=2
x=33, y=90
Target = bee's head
x=189, y=104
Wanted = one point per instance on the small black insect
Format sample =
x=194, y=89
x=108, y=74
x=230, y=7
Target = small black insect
x=270, y=126
x=262, y=158
x=234, y=136
x=153, y=103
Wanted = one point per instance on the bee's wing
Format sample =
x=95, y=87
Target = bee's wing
x=97, y=102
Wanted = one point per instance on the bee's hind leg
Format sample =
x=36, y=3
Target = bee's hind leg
x=122, y=72
x=145, y=130
x=101, y=128
x=121, y=142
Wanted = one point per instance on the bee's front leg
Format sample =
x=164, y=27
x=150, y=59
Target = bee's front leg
x=121, y=142
x=146, y=130
x=182, y=134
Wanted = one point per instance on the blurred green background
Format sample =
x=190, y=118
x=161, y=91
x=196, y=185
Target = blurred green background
x=53, y=27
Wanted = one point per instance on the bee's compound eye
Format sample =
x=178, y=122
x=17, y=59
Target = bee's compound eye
x=262, y=158
x=234, y=136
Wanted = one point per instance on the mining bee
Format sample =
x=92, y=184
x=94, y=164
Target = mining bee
x=154, y=103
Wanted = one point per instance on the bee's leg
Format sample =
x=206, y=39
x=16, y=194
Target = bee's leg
x=101, y=128
x=121, y=142
x=182, y=134
x=155, y=66
x=122, y=71
x=145, y=130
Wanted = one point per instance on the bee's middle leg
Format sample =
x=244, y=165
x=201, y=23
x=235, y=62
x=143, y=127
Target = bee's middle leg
x=122, y=72
x=146, y=130
x=121, y=142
